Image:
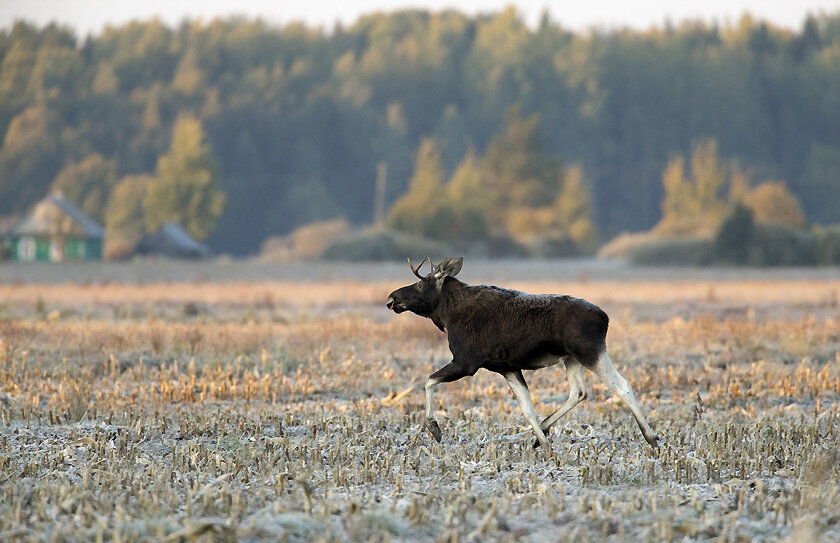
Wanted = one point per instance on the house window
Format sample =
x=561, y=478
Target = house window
x=26, y=248
x=56, y=250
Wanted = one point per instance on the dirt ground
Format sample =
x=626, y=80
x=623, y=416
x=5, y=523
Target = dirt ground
x=195, y=403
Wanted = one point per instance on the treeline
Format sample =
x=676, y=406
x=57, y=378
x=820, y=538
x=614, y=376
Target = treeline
x=299, y=120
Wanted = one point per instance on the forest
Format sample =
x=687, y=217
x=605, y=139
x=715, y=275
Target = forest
x=283, y=126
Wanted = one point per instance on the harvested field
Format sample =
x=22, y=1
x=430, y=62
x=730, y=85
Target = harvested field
x=286, y=408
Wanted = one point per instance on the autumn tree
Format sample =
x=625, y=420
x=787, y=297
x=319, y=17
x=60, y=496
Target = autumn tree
x=514, y=188
x=693, y=204
x=125, y=221
x=185, y=189
x=567, y=216
x=467, y=202
x=414, y=212
x=772, y=202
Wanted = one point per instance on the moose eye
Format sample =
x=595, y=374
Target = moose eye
x=419, y=285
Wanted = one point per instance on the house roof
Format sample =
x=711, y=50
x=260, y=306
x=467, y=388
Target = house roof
x=171, y=240
x=55, y=215
x=8, y=223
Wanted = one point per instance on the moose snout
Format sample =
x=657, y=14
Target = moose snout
x=395, y=304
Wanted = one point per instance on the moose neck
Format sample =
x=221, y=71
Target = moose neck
x=448, y=293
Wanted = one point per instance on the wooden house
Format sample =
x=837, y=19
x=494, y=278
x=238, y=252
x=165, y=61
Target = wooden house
x=55, y=230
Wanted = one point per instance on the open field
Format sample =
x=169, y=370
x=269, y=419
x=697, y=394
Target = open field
x=147, y=403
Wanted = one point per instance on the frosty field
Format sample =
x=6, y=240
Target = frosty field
x=251, y=402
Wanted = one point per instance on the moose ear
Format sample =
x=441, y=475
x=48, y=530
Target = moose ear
x=448, y=267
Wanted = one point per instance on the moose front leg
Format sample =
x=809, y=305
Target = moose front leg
x=520, y=389
x=447, y=374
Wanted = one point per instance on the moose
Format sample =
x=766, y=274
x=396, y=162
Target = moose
x=507, y=331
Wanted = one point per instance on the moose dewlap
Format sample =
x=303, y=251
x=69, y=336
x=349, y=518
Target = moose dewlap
x=507, y=331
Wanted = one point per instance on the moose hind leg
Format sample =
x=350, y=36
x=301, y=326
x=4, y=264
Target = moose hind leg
x=517, y=385
x=577, y=393
x=619, y=386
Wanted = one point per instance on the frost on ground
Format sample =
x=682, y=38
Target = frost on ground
x=295, y=418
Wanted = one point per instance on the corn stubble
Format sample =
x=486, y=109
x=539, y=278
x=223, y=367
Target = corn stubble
x=298, y=422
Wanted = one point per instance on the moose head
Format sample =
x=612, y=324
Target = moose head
x=424, y=296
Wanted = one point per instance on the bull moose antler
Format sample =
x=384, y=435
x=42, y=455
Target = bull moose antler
x=417, y=269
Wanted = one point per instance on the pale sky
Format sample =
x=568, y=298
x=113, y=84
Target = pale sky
x=91, y=16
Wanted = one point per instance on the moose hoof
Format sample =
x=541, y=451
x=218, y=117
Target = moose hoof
x=546, y=449
x=653, y=441
x=433, y=428
x=537, y=441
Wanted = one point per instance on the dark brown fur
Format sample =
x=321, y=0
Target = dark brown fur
x=504, y=330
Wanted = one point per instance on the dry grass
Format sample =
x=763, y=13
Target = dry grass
x=290, y=293
x=272, y=411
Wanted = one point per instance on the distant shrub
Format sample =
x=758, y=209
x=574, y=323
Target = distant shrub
x=306, y=243
x=556, y=247
x=626, y=243
x=118, y=246
x=505, y=246
x=773, y=202
x=742, y=241
x=465, y=224
x=769, y=244
x=829, y=246
x=379, y=244
x=276, y=249
x=735, y=235
x=311, y=240
x=498, y=246
x=779, y=245
x=673, y=252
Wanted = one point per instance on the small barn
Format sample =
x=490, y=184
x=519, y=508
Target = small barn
x=171, y=241
x=56, y=230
